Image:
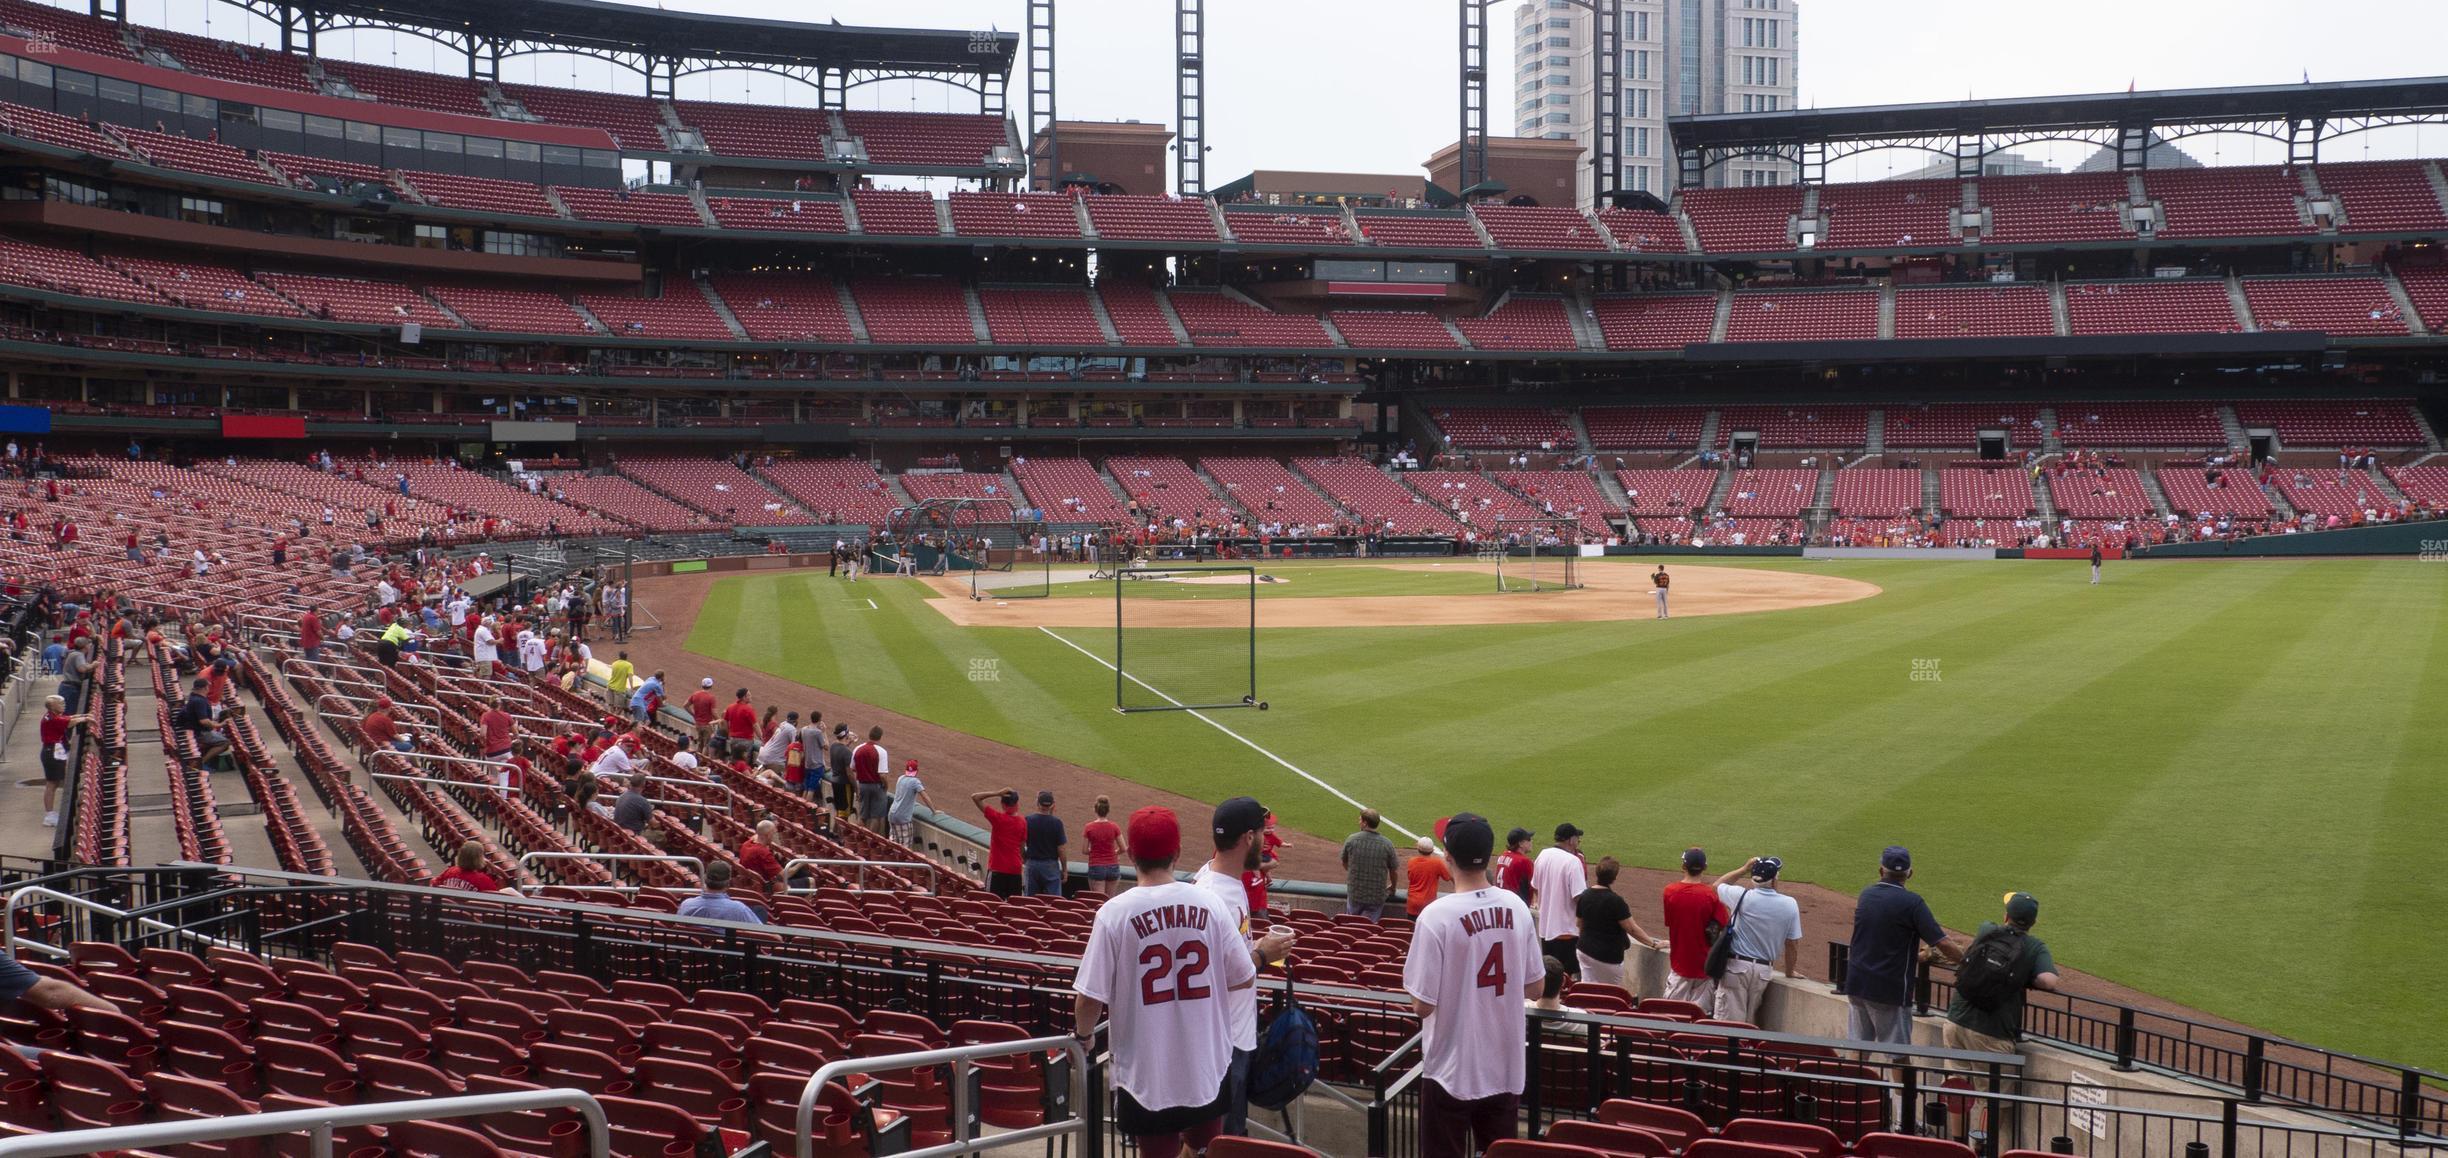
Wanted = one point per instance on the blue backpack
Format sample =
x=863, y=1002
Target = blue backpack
x=1286, y=1060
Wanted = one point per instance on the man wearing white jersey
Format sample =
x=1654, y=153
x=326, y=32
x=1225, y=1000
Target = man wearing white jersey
x=1161, y=958
x=1473, y=965
x=1238, y=822
x=1557, y=879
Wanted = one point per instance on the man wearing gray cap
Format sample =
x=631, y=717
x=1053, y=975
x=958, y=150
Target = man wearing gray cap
x=1890, y=922
x=1767, y=927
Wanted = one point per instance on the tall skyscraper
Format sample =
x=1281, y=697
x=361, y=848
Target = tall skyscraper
x=1681, y=58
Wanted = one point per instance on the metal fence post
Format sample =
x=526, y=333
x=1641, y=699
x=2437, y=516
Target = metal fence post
x=2256, y=1063
x=2125, y=1040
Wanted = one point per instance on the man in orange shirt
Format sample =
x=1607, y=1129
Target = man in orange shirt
x=1426, y=871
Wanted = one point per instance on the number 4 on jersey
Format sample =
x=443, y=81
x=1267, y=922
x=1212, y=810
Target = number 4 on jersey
x=1492, y=970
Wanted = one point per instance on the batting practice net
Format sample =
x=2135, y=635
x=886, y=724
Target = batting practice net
x=998, y=544
x=1185, y=638
x=1538, y=555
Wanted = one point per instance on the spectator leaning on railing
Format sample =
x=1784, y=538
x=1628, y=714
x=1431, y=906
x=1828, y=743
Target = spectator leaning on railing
x=1889, y=921
x=2003, y=963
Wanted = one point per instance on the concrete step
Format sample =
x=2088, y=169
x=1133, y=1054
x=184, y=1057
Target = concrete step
x=722, y=309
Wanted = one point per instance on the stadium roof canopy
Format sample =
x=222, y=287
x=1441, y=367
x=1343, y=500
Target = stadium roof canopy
x=2301, y=116
x=637, y=29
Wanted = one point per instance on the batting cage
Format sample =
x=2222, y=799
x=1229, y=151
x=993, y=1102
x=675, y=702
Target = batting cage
x=1538, y=555
x=1185, y=638
x=1000, y=546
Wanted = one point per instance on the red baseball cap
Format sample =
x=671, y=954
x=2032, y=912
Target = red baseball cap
x=912, y=766
x=1154, y=834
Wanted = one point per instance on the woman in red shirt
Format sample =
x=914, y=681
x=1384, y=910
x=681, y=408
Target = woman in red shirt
x=56, y=725
x=468, y=873
x=1104, y=839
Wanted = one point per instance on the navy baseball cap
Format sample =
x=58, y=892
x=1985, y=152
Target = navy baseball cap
x=1236, y=818
x=1896, y=859
x=1694, y=859
x=1469, y=840
x=1767, y=868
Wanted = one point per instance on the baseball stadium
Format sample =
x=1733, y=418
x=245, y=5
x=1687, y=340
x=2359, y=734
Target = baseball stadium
x=634, y=619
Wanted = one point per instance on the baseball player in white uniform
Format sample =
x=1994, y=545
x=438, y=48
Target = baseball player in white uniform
x=1238, y=822
x=1161, y=957
x=1473, y=965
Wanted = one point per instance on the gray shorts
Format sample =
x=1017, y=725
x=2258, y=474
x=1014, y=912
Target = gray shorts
x=873, y=801
x=1880, y=1022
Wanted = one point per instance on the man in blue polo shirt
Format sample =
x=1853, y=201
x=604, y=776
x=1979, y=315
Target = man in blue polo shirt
x=716, y=902
x=1890, y=923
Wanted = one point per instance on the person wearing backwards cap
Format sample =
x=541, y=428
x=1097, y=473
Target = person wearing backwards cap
x=1161, y=958
x=1767, y=925
x=1992, y=1019
x=1889, y=923
x=1238, y=848
x=1557, y=879
x=1474, y=964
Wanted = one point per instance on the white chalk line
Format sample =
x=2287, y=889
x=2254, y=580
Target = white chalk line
x=1202, y=717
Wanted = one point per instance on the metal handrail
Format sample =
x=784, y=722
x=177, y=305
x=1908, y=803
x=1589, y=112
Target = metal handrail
x=355, y=700
x=319, y=1124
x=446, y=758
x=613, y=856
x=299, y=660
x=961, y=1058
x=18, y=897
x=486, y=785
x=789, y=869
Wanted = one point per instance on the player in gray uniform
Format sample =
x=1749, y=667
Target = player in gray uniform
x=1661, y=579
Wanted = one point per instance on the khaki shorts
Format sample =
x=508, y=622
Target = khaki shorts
x=1699, y=991
x=1954, y=1036
x=1739, y=991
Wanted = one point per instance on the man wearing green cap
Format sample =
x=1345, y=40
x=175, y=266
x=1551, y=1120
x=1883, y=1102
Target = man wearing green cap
x=2003, y=963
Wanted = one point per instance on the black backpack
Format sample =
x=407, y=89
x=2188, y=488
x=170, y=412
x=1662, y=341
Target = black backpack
x=1989, y=976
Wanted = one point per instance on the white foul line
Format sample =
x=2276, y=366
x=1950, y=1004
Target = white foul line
x=871, y=605
x=1202, y=717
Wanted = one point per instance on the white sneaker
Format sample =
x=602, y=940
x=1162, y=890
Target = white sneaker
x=50, y=820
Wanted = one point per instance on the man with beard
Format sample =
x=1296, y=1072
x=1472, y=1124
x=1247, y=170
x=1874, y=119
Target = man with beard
x=1238, y=822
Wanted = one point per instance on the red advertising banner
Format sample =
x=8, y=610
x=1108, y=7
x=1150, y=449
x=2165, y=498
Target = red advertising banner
x=262, y=426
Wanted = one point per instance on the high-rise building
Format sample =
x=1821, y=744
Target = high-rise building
x=1681, y=58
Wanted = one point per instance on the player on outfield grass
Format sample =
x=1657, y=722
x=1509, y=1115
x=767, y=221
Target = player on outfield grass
x=1662, y=581
x=1474, y=962
x=1161, y=958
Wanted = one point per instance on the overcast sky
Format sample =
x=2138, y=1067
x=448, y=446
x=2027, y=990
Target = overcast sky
x=1369, y=85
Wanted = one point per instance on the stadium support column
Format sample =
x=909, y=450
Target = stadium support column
x=1045, y=170
x=2303, y=139
x=662, y=76
x=1970, y=150
x=484, y=58
x=1606, y=159
x=1190, y=98
x=113, y=10
x=1472, y=145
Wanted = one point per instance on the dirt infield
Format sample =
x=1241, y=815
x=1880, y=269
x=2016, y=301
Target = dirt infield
x=1610, y=593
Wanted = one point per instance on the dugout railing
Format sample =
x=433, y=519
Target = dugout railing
x=1577, y=1061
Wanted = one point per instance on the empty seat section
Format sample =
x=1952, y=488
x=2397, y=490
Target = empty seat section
x=1737, y=220
x=53, y=129
x=623, y=205
x=1014, y=214
x=754, y=131
x=409, y=88
x=1503, y=427
x=1137, y=317
x=1040, y=316
x=325, y=173
x=1959, y=424
x=1393, y=330
x=2345, y=306
x=682, y=312
x=513, y=311
x=717, y=487
x=634, y=121
x=1803, y=316
x=2168, y=306
x=66, y=271
x=2055, y=207
x=1770, y=493
x=1992, y=311
x=224, y=60
x=1889, y=214
x=1571, y=493
x=1360, y=487
x=785, y=307
x=950, y=140
x=2374, y=422
x=349, y=299
x=2328, y=490
x=958, y=484
x=799, y=215
x=2187, y=424
x=483, y=194
x=1975, y=493
x=71, y=29
x=1644, y=230
x=1521, y=323
x=486, y=495
x=914, y=311
x=2423, y=484
x=1439, y=229
x=1644, y=427
x=615, y=497
x=2194, y=489
x=1834, y=427
x=1538, y=227
x=1139, y=217
x=208, y=157
x=898, y=212
x=1270, y=492
x=2427, y=288
x=1656, y=321
x=205, y=286
x=835, y=490
x=1667, y=493
x=1167, y=485
x=2227, y=202
x=1876, y=492
x=1069, y=490
x=1217, y=318
x=1476, y=500
x=2098, y=493
x=2383, y=196
x=1286, y=226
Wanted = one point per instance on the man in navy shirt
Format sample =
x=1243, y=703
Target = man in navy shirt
x=1041, y=864
x=1890, y=923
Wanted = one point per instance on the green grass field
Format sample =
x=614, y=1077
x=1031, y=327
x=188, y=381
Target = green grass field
x=2223, y=779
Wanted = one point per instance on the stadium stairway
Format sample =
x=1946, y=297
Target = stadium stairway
x=1886, y=310
x=1725, y=315
x=2387, y=485
x=1586, y=335
x=977, y=314
x=2279, y=506
x=2057, y=308
x=1096, y=306
x=1708, y=426
x=2044, y=507
x=849, y=302
x=2236, y=439
x=1717, y=490
x=2049, y=442
x=1580, y=431
x=1874, y=432
x=1931, y=496
x=2154, y=492
x=2243, y=308
x=590, y=317
x=722, y=309
x=2405, y=304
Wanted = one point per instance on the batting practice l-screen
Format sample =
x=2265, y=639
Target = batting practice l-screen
x=1185, y=638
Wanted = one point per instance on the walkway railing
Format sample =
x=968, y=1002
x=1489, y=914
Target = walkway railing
x=320, y=1125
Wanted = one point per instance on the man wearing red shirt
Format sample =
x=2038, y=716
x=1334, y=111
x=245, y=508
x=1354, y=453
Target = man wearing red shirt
x=867, y=763
x=1691, y=906
x=1006, y=831
x=377, y=729
x=740, y=726
x=756, y=854
x=310, y=635
x=56, y=726
x=702, y=710
x=499, y=734
x=467, y=872
x=1512, y=867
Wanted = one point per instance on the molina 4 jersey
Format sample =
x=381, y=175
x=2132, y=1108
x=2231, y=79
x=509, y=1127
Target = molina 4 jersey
x=1472, y=956
x=1162, y=958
